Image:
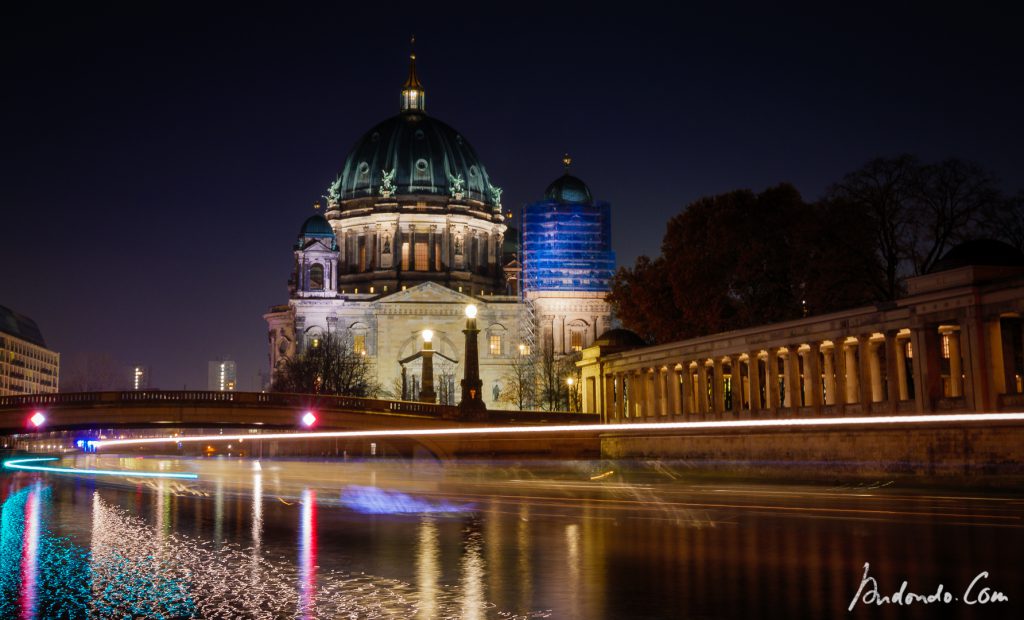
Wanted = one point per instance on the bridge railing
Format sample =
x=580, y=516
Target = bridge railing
x=275, y=399
x=322, y=401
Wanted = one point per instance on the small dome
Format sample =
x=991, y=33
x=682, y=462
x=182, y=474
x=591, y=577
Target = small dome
x=620, y=337
x=316, y=226
x=569, y=189
x=981, y=253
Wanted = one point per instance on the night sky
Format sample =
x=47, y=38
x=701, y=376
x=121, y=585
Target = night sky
x=158, y=159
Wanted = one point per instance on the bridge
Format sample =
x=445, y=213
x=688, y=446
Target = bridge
x=157, y=412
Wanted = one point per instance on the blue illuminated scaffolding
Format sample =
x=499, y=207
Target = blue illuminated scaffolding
x=567, y=245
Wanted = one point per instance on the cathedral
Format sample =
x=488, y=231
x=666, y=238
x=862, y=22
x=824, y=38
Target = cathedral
x=414, y=232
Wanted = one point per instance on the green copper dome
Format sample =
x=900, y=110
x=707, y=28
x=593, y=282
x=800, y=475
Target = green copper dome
x=569, y=189
x=414, y=154
x=316, y=226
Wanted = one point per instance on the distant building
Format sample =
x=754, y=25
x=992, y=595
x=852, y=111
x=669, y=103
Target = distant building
x=26, y=365
x=140, y=377
x=221, y=376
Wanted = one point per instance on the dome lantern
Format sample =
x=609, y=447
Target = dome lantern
x=413, y=95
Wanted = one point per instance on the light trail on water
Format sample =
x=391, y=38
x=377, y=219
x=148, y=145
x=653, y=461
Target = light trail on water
x=23, y=464
x=793, y=423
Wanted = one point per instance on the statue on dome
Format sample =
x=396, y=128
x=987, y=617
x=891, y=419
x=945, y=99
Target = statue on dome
x=457, y=183
x=387, y=183
x=496, y=195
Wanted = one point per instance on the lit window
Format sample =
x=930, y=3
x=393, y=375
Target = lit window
x=359, y=344
x=405, y=256
x=496, y=344
x=524, y=349
x=422, y=256
x=910, y=351
x=576, y=340
x=316, y=277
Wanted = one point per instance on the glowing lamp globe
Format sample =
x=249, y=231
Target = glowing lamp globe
x=309, y=419
x=428, y=335
x=471, y=311
x=37, y=419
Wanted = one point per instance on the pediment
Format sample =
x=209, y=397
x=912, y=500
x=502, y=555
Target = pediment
x=317, y=245
x=428, y=292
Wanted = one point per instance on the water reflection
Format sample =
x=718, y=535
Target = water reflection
x=286, y=547
x=29, y=551
x=428, y=570
x=307, y=554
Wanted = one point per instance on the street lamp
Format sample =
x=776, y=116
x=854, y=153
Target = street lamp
x=37, y=419
x=427, y=394
x=472, y=404
x=569, y=381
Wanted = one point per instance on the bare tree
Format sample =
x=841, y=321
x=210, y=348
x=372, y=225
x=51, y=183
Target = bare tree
x=1004, y=220
x=883, y=190
x=949, y=198
x=330, y=367
x=520, y=382
x=554, y=370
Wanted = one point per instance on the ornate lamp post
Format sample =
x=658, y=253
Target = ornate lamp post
x=427, y=394
x=472, y=405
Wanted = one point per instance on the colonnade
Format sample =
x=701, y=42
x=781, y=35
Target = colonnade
x=898, y=370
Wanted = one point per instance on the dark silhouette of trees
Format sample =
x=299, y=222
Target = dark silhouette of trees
x=741, y=259
x=332, y=367
x=918, y=211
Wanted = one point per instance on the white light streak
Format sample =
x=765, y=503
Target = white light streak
x=794, y=423
x=20, y=464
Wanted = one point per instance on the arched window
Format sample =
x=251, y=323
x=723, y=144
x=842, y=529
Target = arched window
x=316, y=277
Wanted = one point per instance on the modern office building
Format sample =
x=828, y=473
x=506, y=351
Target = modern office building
x=221, y=376
x=26, y=365
x=140, y=377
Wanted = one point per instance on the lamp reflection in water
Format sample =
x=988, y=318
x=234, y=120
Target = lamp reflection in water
x=427, y=569
x=307, y=555
x=30, y=553
x=473, y=576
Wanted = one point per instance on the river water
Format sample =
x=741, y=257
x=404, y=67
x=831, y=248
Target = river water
x=393, y=539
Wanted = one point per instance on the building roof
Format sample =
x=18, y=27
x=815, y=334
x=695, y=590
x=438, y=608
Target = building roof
x=422, y=155
x=620, y=338
x=980, y=253
x=20, y=326
x=316, y=226
x=569, y=189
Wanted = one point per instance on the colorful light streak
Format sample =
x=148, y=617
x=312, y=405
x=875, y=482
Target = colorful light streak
x=307, y=555
x=793, y=423
x=21, y=464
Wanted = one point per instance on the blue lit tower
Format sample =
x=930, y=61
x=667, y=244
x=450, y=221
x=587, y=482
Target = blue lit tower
x=568, y=263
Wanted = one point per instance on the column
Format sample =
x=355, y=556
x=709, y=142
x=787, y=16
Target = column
x=926, y=368
x=875, y=368
x=901, y=369
x=892, y=383
x=812, y=376
x=852, y=375
x=659, y=392
x=718, y=389
x=736, y=383
x=629, y=404
x=754, y=372
x=702, y=387
x=956, y=372
x=842, y=376
x=830, y=376
x=675, y=405
x=771, y=380
x=864, y=371
x=686, y=406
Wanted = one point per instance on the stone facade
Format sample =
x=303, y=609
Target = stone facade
x=26, y=365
